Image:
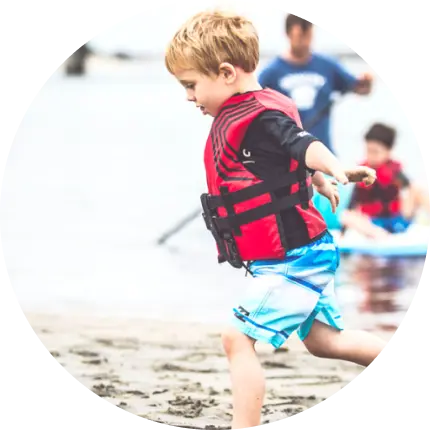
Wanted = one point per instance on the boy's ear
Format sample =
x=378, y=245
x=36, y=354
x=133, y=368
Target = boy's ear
x=228, y=72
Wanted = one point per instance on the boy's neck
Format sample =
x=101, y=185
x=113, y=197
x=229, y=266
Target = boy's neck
x=248, y=82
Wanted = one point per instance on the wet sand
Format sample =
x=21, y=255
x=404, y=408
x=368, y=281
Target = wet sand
x=176, y=373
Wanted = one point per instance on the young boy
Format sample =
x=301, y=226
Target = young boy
x=391, y=202
x=260, y=166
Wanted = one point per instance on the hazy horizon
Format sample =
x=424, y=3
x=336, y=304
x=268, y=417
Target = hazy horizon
x=139, y=35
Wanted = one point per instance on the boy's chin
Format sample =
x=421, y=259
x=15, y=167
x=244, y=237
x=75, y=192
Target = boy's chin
x=206, y=113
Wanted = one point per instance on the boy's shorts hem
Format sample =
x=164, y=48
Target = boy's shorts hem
x=278, y=339
x=323, y=316
x=260, y=335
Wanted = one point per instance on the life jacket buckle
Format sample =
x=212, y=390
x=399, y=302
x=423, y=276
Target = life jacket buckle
x=234, y=257
x=304, y=194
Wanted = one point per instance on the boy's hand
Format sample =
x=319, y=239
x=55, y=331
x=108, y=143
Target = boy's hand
x=329, y=189
x=361, y=174
x=341, y=177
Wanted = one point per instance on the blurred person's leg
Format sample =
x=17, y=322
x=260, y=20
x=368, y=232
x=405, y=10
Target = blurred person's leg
x=363, y=224
x=413, y=199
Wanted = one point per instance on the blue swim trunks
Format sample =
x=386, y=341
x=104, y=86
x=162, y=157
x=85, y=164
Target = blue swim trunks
x=288, y=295
x=396, y=224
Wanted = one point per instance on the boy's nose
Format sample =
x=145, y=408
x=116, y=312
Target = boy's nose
x=191, y=98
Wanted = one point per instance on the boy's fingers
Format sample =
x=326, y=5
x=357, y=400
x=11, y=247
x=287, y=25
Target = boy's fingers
x=342, y=178
x=334, y=202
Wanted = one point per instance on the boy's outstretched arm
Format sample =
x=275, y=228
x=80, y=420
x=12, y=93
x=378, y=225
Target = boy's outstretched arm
x=319, y=158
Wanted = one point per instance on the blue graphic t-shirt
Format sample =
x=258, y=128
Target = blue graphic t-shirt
x=311, y=86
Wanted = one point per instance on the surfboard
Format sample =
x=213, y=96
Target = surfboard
x=413, y=242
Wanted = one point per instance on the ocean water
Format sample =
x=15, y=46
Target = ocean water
x=103, y=165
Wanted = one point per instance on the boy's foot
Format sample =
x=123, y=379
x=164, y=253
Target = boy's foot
x=361, y=174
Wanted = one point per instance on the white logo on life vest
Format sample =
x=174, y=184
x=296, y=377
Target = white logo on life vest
x=247, y=154
x=303, y=134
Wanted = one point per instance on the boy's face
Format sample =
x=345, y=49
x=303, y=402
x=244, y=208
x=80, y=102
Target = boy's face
x=207, y=92
x=376, y=153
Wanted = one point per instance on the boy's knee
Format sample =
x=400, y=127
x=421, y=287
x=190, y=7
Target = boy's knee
x=233, y=340
x=322, y=341
x=321, y=348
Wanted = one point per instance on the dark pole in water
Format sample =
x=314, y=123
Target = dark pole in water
x=75, y=65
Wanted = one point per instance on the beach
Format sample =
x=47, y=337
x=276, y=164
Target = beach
x=176, y=373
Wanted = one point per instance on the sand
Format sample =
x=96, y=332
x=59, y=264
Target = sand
x=176, y=373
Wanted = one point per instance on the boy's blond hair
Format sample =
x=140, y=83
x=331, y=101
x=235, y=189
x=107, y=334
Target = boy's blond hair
x=210, y=38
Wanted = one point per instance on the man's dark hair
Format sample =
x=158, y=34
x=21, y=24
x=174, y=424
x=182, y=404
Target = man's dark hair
x=383, y=134
x=293, y=20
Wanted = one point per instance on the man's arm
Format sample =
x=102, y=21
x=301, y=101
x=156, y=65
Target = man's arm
x=346, y=82
x=364, y=84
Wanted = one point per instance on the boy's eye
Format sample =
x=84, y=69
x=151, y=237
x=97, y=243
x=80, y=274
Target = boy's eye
x=190, y=86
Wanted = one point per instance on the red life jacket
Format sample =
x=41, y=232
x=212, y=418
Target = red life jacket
x=240, y=209
x=382, y=198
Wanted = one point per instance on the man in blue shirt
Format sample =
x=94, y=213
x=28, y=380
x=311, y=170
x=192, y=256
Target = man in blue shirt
x=310, y=79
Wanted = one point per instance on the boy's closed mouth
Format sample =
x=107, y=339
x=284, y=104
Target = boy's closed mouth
x=203, y=109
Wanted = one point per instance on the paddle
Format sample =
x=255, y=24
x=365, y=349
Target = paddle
x=178, y=226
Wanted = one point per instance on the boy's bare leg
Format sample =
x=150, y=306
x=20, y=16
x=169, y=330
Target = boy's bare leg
x=247, y=377
x=361, y=223
x=351, y=345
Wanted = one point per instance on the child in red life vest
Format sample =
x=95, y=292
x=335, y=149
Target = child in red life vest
x=261, y=169
x=390, y=203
